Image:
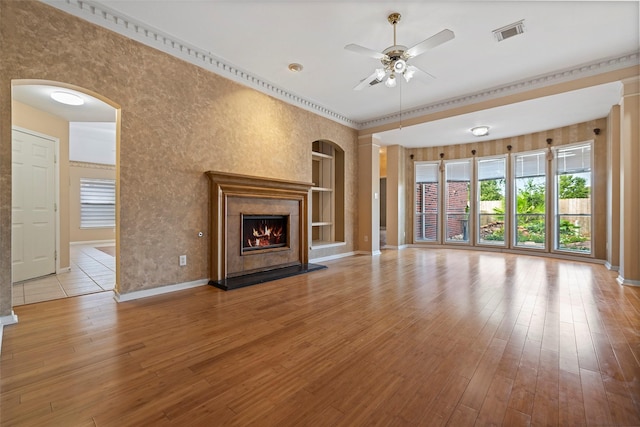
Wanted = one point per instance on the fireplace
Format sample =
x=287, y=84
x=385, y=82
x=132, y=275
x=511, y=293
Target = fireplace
x=259, y=229
x=264, y=232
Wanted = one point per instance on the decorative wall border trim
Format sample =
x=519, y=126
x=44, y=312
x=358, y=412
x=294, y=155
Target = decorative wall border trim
x=106, y=17
x=89, y=165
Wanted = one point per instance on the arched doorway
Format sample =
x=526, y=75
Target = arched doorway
x=83, y=150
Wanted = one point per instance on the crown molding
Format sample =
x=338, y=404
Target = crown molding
x=105, y=17
x=585, y=70
x=110, y=19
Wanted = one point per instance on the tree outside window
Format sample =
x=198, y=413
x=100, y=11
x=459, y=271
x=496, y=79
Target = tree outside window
x=573, y=201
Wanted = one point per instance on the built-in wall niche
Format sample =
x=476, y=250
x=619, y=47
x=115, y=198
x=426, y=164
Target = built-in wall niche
x=327, y=194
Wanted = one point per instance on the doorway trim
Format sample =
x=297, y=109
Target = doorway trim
x=118, y=121
x=56, y=189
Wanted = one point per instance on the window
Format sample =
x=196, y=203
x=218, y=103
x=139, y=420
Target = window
x=426, y=192
x=573, y=198
x=457, y=204
x=491, y=201
x=327, y=194
x=97, y=203
x=530, y=199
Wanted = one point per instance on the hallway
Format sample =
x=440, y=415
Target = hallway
x=92, y=270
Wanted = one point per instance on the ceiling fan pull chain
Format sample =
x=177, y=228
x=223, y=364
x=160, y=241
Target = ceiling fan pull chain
x=400, y=90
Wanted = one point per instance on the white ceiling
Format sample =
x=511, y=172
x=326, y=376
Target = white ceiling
x=260, y=38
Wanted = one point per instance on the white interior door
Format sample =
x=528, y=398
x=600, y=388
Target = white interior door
x=33, y=206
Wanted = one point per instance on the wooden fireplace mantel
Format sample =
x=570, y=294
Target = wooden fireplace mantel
x=230, y=194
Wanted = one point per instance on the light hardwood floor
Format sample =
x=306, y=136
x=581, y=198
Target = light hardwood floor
x=412, y=337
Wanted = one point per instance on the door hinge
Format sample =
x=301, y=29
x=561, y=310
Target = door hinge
x=55, y=207
x=55, y=255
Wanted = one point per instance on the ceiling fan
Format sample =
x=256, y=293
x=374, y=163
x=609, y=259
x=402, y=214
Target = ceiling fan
x=394, y=58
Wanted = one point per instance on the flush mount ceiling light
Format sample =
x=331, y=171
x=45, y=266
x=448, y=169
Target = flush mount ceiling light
x=480, y=130
x=67, y=98
x=294, y=67
x=395, y=58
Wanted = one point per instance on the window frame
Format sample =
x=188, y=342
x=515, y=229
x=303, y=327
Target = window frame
x=556, y=198
x=477, y=201
x=437, y=239
x=513, y=211
x=444, y=206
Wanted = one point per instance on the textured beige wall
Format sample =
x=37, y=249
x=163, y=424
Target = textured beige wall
x=369, y=195
x=396, y=202
x=178, y=121
x=79, y=170
x=613, y=187
x=36, y=120
x=561, y=136
x=630, y=182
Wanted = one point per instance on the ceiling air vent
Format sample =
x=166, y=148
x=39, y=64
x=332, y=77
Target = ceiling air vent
x=509, y=30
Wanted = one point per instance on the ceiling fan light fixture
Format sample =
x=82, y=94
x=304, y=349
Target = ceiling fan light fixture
x=67, y=98
x=394, y=59
x=391, y=81
x=399, y=66
x=408, y=74
x=480, y=131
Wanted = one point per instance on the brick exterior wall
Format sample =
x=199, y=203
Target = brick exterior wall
x=426, y=197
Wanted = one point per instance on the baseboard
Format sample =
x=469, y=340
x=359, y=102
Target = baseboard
x=370, y=253
x=398, y=248
x=130, y=296
x=627, y=282
x=93, y=242
x=63, y=270
x=611, y=267
x=332, y=257
x=6, y=320
x=9, y=320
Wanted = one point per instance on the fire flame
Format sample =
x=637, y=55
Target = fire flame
x=266, y=236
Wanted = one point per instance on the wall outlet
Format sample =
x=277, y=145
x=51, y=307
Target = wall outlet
x=183, y=260
x=366, y=238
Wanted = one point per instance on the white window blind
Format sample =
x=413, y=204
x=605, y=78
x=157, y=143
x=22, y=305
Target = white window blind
x=574, y=159
x=491, y=169
x=426, y=172
x=530, y=165
x=458, y=171
x=97, y=203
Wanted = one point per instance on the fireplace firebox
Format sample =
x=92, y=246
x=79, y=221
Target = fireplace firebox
x=264, y=232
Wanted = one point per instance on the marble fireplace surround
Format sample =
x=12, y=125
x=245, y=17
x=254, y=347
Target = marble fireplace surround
x=234, y=195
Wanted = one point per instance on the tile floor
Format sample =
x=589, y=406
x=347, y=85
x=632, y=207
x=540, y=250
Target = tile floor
x=91, y=271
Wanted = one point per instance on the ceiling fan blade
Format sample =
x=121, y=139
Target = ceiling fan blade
x=420, y=73
x=433, y=41
x=366, y=81
x=365, y=51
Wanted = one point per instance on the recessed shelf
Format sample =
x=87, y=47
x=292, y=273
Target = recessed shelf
x=321, y=155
